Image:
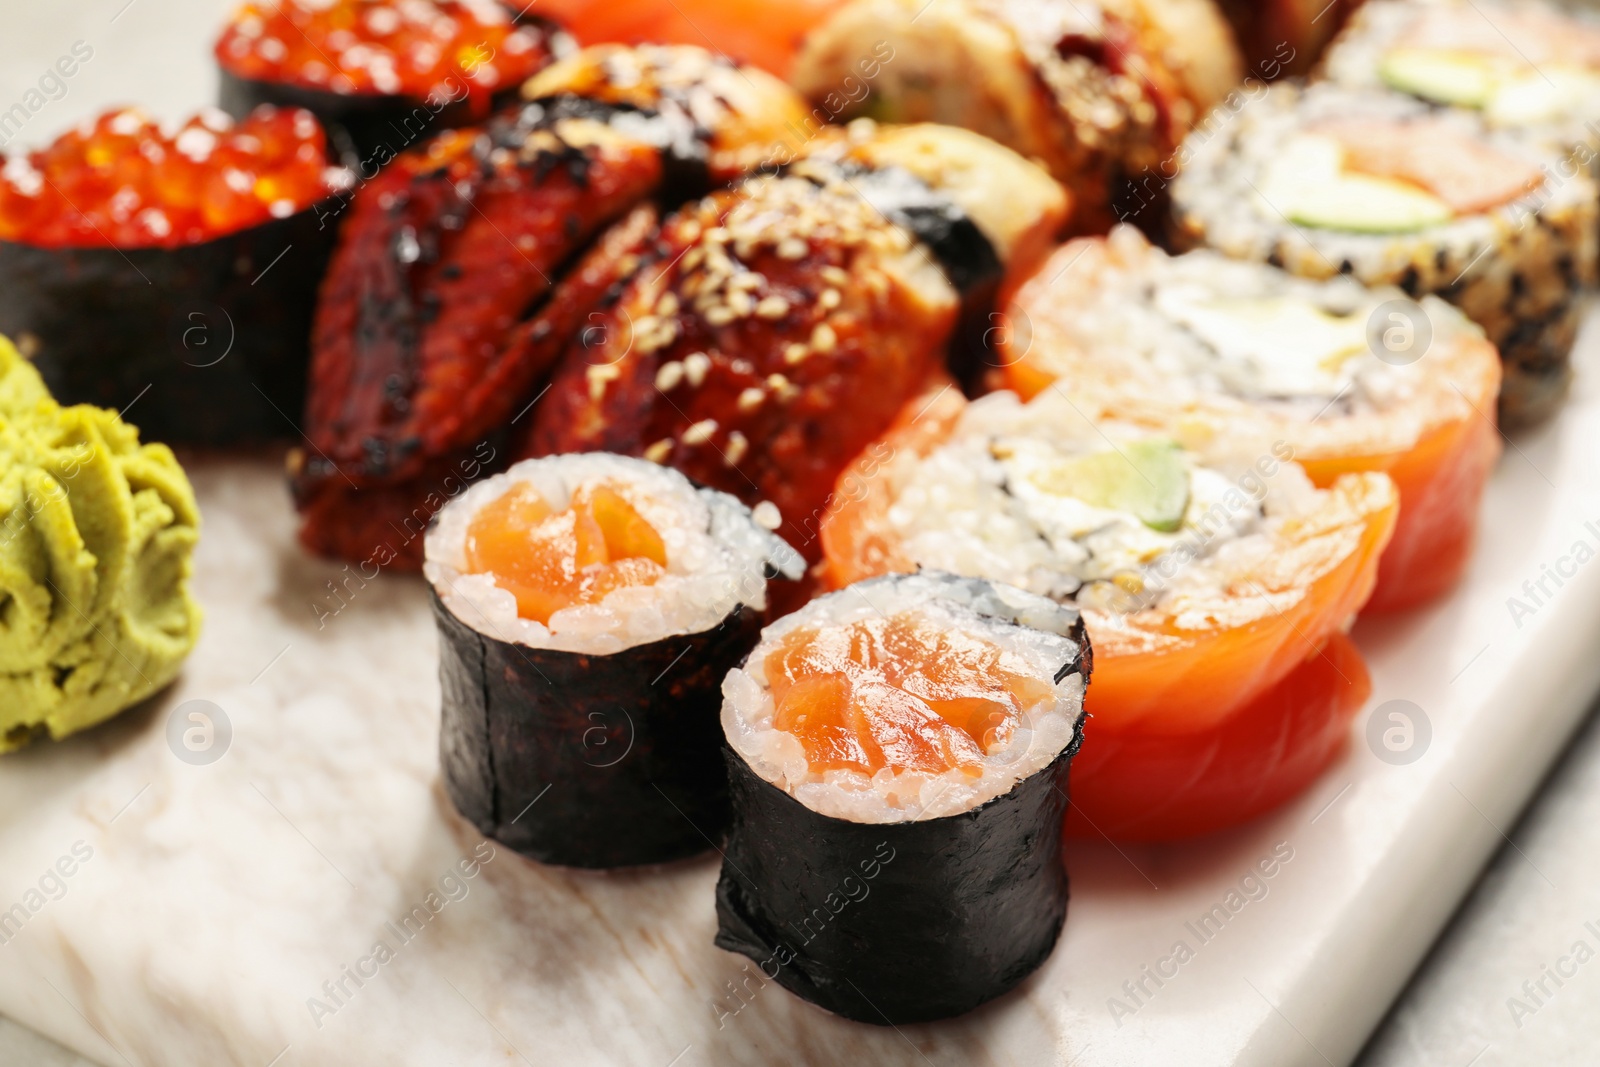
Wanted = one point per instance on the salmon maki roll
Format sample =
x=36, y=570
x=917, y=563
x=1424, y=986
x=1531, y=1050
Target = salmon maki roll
x=465, y=267
x=1100, y=93
x=1327, y=181
x=771, y=332
x=904, y=743
x=1211, y=588
x=589, y=607
x=1529, y=67
x=1207, y=349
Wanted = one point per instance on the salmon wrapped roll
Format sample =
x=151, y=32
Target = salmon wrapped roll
x=1211, y=586
x=1326, y=181
x=464, y=268
x=1205, y=349
x=1527, y=67
x=1100, y=93
x=771, y=332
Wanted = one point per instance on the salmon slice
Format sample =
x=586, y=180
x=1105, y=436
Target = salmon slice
x=1468, y=175
x=551, y=560
x=898, y=693
x=763, y=33
x=1521, y=37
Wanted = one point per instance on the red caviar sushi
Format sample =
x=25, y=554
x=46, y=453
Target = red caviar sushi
x=180, y=260
x=1208, y=587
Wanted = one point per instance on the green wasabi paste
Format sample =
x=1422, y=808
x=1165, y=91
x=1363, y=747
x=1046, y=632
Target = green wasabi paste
x=96, y=537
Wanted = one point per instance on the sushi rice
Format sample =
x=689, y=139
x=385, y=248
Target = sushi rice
x=718, y=558
x=1038, y=636
x=1518, y=270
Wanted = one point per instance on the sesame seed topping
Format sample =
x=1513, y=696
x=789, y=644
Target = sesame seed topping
x=599, y=377
x=669, y=376
x=658, y=452
x=738, y=445
x=751, y=399
x=829, y=299
x=699, y=433
x=720, y=315
x=773, y=307
x=823, y=339
x=696, y=367
x=766, y=515
x=793, y=248
x=796, y=354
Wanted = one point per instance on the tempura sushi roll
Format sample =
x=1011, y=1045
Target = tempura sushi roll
x=1098, y=92
x=898, y=755
x=1327, y=181
x=170, y=273
x=1209, y=349
x=770, y=332
x=467, y=266
x=1527, y=67
x=1215, y=589
x=589, y=607
x=381, y=74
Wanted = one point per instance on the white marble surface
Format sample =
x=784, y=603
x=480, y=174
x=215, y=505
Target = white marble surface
x=218, y=899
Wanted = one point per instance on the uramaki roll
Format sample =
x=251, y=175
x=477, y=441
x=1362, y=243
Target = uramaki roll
x=899, y=756
x=1207, y=585
x=1099, y=93
x=588, y=608
x=1326, y=181
x=1208, y=349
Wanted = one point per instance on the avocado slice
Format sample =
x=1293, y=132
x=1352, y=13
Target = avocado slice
x=1439, y=77
x=1145, y=478
x=1307, y=184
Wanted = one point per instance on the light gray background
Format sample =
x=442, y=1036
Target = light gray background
x=1526, y=913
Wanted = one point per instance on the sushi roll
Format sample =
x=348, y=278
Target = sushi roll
x=466, y=266
x=589, y=607
x=381, y=74
x=1099, y=93
x=1528, y=67
x=771, y=332
x=1326, y=181
x=171, y=273
x=1216, y=589
x=1283, y=38
x=898, y=755
x=1208, y=349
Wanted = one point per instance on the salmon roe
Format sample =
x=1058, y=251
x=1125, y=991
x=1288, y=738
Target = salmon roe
x=125, y=182
x=899, y=693
x=410, y=48
x=550, y=560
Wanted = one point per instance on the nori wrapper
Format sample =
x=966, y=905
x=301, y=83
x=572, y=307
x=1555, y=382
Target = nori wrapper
x=590, y=761
x=904, y=922
x=203, y=344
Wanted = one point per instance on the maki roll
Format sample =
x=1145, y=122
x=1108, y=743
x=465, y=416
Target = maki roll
x=466, y=266
x=1216, y=590
x=1099, y=93
x=1326, y=181
x=588, y=609
x=898, y=756
x=1528, y=67
x=1208, y=349
x=381, y=74
x=771, y=332
x=172, y=269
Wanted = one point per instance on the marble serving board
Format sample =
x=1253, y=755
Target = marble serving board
x=308, y=896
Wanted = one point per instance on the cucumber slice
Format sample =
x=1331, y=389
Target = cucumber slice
x=1147, y=479
x=1363, y=204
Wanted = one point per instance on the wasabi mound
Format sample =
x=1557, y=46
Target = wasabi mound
x=96, y=535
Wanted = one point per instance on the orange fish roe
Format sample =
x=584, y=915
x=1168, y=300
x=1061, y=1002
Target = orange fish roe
x=124, y=181
x=551, y=559
x=900, y=693
x=383, y=47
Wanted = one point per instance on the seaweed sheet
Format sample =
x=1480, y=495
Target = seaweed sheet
x=201, y=344
x=590, y=761
x=895, y=923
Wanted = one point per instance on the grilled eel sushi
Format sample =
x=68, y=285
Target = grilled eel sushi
x=770, y=332
x=465, y=266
